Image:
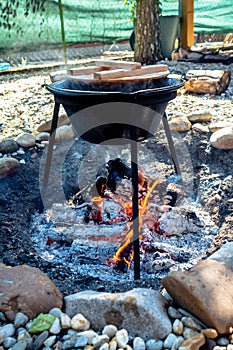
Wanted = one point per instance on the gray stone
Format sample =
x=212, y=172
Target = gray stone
x=9, y=342
x=222, y=341
x=110, y=330
x=224, y=255
x=55, y=311
x=49, y=342
x=69, y=344
x=128, y=310
x=40, y=295
x=9, y=329
x=2, y=335
x=169, y=341
x=8, y=146
x=20, y=320
x=189, y=333
x=81, y=341
x=139, y=344
x=26, y=140
x=8, y=165
x=20, y=345
x=179, y=340
x=40, y=340
x=100, y=340
x=56, y=327
x=223, y=138
x=90, y=335
x=24, y=335
x=173, y=313
x=153, y=344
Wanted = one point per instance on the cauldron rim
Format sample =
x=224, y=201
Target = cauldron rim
x=56, y=90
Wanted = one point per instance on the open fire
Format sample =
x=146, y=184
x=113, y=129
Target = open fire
x=107, y=181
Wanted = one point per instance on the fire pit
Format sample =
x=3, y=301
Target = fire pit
x=116, y=110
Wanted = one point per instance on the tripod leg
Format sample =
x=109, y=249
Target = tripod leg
x=51, y=144
x=135, y=218
x=171, y=144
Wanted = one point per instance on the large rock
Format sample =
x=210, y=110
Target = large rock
x=26, y=289
x=223, y=138
x=141, y=311
x=62, y=120
x=213, y=127
x=206, y=291
x=224, y=255
x=8, y=165
x=8, y=146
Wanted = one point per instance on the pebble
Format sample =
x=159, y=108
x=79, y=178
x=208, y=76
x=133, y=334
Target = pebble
x=169, y=341
x=40, y=340
x=65, y=321
x=139, y=344
x=7, y=165
x=42, y=136
x=9, y=342
x=210, y=333
x=2, y=335
x=55, y=311
x=113, y=344
x=99, y=340
x=153, y=344
x=189, y=322
x=110, y=330
x=56, y=327
x=20, y=152
x=9, y=329
x=20, y=319
x=189, y=333
x=49, y=342
x=179, y=340
x=122, y=338
x=81, y=341
x=222, y=341
x=177, y=327
x=90, y=335
x=20, y=345
x=173, y=313
x=80, y=323
x=22, y=161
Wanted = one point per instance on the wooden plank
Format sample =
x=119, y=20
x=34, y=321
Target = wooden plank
x=118, y=64
x=122, y=80
x=187, y=26
x=119, y=73
x=85, y=70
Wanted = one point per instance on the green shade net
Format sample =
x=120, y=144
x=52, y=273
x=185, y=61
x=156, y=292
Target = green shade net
x=88, y=21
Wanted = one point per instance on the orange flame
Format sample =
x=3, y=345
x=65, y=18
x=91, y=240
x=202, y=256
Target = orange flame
x=127, y=244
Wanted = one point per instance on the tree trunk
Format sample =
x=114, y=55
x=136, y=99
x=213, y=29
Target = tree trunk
x=147, y=32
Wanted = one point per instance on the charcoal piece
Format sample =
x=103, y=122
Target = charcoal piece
x=117, y=171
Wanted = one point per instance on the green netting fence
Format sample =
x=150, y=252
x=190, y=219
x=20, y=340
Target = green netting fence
x=90, y=21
